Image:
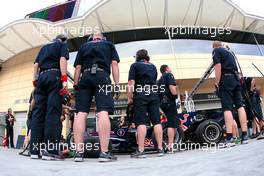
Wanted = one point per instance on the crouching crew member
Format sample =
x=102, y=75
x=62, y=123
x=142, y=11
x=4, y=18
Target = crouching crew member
x=168, y=95
x=228, y=84
x=50, y=80
x=141, y=91
x=93, y=61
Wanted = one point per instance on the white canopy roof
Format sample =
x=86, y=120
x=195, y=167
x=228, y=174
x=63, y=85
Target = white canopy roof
x=122, y=15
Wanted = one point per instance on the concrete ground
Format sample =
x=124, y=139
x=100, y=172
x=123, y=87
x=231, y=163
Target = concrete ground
x=240, y=160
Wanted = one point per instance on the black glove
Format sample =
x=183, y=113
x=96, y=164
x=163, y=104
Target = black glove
x=75, y=87
x=65, y=99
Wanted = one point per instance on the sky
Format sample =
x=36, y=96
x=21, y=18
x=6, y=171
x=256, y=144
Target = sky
x=254, y=7
x=11, y=10
x=160, y=47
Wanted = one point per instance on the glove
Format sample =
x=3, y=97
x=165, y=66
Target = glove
x=75, y=87
x=64, y=79
x=35, y=82
x=65, y=99
x=65, y=95
x=75, y=90
x=64, y=91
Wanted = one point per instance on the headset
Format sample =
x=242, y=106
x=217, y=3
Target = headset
x=62, y=38
x=90, y=38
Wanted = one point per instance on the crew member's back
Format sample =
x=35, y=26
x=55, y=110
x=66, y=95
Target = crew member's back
x=97, y=52
x=49, y=55
x=226, y=58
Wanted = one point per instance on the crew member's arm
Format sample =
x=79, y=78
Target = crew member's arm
x=64, y=56
x=115, y=65
x=173, y=90
x=172, y=84
x=63, y=68
x=115, y=71
x=130, y=91
x=217, y=66
x=131, y=83
x=218, y=73
x=77, y=73
x=63, y=65
x=32, y=104
x=36, y=69
x=35, y=74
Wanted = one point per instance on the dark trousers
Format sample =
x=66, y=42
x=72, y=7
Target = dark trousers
x=170, y=111
x=10, y=136
x=45, y=122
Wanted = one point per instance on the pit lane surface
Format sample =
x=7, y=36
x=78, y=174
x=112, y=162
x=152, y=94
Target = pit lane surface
x=240, y=160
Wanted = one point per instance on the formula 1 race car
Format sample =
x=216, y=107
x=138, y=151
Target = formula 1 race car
x=124, y=137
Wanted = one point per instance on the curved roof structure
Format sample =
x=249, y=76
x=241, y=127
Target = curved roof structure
x=129, y=20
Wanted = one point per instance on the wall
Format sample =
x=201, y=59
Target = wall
x=16, y=81
x=16, y=74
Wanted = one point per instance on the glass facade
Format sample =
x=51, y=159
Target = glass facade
x=162, y=47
